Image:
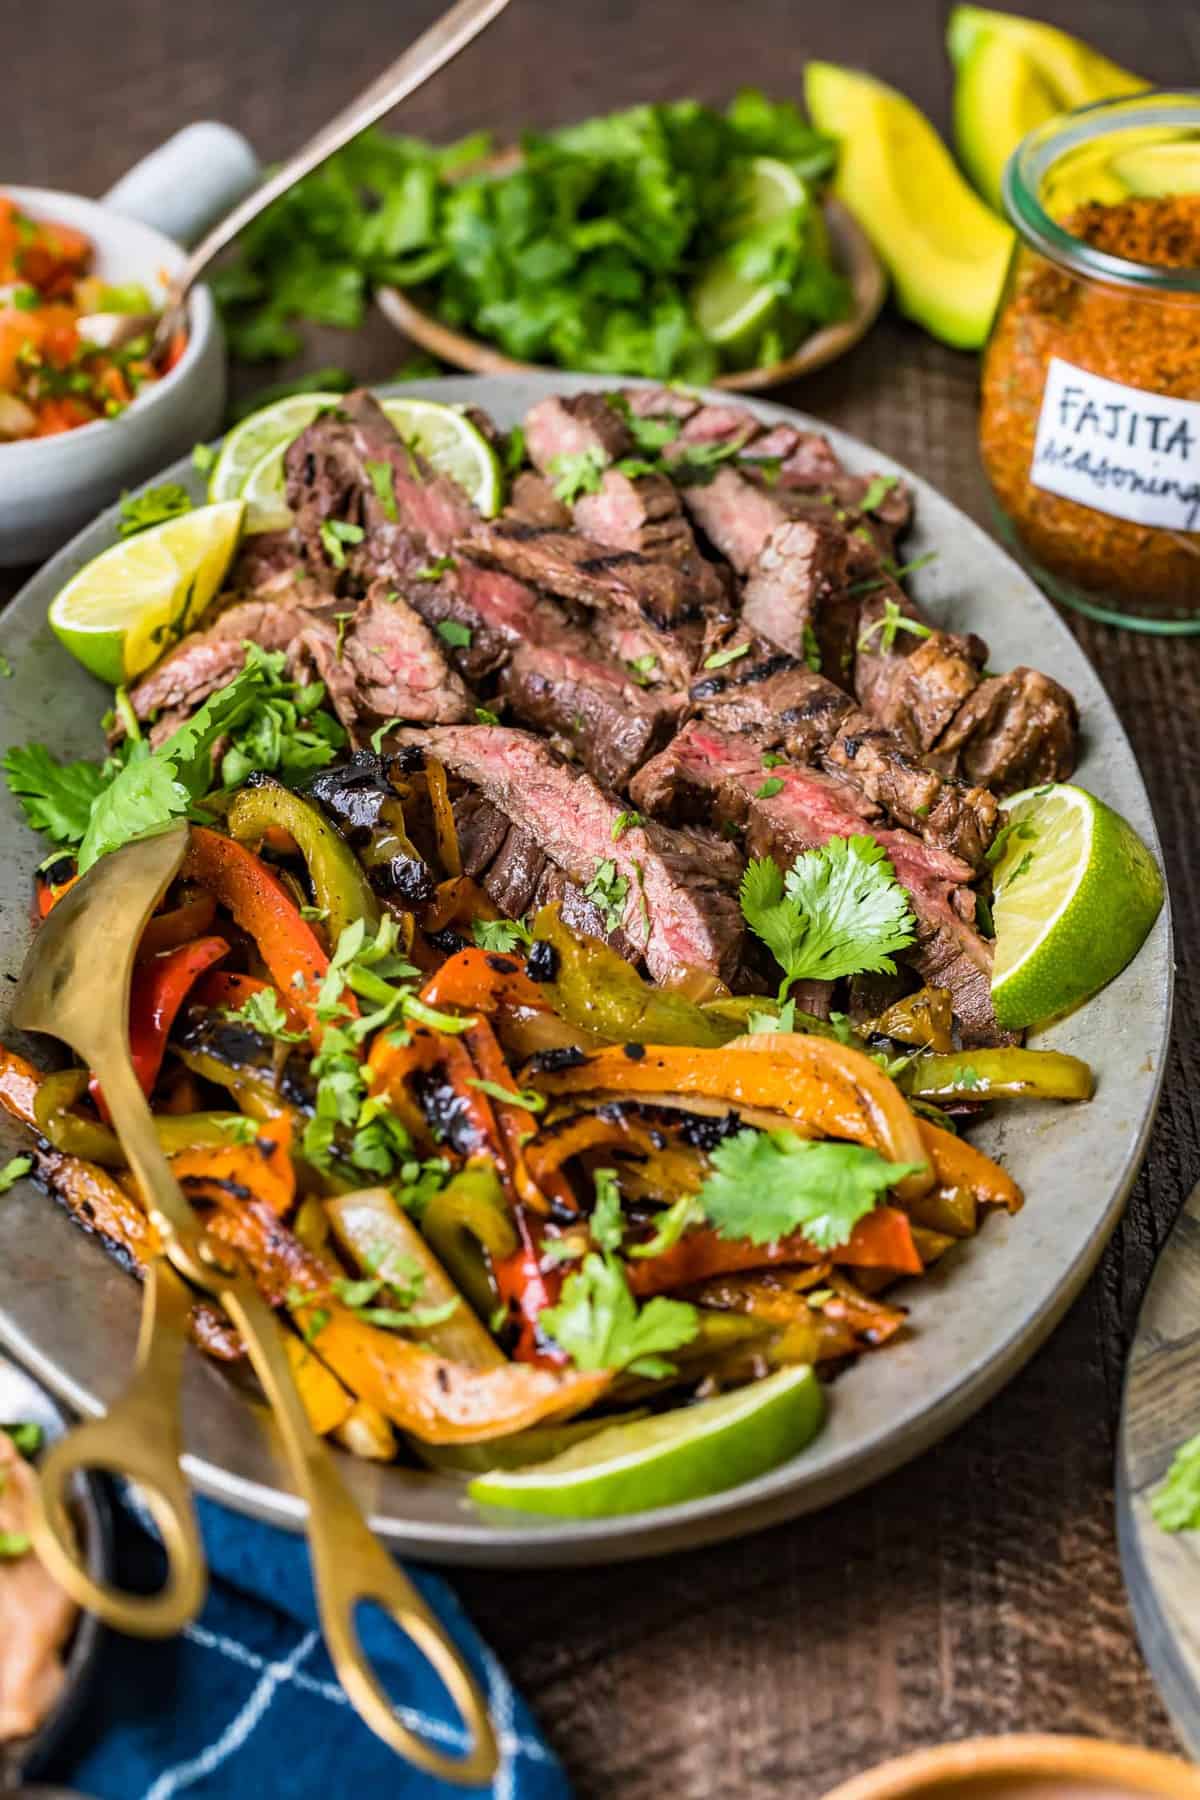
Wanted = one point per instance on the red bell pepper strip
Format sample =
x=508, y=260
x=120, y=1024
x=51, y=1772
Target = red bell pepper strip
x=263, y=907
x=226, y=991
x=47, y=894
x=881, y=1240
x=483, y=981
x=525, y=1290
x=159, y=988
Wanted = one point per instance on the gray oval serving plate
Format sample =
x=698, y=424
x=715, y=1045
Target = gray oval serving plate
x=71, y=1315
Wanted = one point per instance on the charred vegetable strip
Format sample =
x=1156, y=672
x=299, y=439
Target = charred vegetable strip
x=263, y=908
x=168, y=930
x=594, y=988
x=957, y=1164
x=339, y=886
x=77, y=1135
x=227, y=991
x=159, y=988
x=443, y=816
x=467, y=1222
x=516, y=1121
x=526, y=1290
x=262, y=1169
x=325, y=1400
x=882, y=1240
x=1008, y=1074
x=436, y=1400
x=484, y=981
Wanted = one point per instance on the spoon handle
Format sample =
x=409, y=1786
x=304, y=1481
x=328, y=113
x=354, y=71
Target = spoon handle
x=432, y=50
x=351, y=1567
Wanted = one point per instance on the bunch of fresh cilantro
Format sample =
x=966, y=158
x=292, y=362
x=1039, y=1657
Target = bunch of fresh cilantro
x=584, y=255
x=259, y=721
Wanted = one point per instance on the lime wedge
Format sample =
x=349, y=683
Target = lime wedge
x=730, y=310
x=446, y=438
x=670, y=1457
x=137, y=598
x=272, y=428
x=1076, y=894
x=265, y=494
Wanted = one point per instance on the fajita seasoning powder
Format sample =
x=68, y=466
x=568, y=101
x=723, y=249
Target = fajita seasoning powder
x=1090, y=415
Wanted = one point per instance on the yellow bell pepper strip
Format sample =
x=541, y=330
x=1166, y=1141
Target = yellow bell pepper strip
x=327, y=1403
x=367, y=1434
x=180, y=925
x=469, y=1228
x=377, y=1236
x=881, y=1240
x=823, y=1088
x=77, y=1135
x=1003, y=1074
x=426, y=1395
x=443, y=816
x=339, y=886
x=958, y=1164
x=264, y=909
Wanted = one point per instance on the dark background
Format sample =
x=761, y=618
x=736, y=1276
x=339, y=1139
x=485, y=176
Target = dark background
x=978, y=1590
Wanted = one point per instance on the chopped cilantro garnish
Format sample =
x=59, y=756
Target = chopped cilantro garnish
x=382, y=481
x=486, y=716
x=500, y=935
x=578, y=472
x=433, y=571
x=263, y=1011
x=892, y=619
x=335, y=535
x=454, y=633
x=608, y=891
x=599, y=1324
x=140, y=511
x=769, y=788
x=720, y=658
x=839, y=911
x=767, y=1184
x=13, y=1170
x=625, y=821
x=529, y=1098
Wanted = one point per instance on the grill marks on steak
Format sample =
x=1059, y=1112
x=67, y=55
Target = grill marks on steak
x=673, y=906
x=561, y=686
x=209, y=659
x=795, y=595
x=707, y=774
x=578, y=568
x=578, y=425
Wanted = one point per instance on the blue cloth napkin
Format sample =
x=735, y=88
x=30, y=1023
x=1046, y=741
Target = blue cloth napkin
x=245, y=1704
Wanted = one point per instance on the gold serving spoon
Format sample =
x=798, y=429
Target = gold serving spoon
x=432, y=50
x=75, y=986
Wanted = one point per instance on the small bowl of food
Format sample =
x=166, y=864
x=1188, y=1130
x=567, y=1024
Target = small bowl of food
x=78, y=423
x=47, y=1648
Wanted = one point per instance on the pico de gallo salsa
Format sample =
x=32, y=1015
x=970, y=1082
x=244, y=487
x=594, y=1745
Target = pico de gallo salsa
x=51, y=379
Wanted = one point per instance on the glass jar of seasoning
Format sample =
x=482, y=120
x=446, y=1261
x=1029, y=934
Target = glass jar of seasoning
x=1090, y=412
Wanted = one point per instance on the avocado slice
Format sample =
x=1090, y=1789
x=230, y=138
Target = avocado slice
x=1153, y=169
x=1074, y=73
x=947, y=252
x=999, y=96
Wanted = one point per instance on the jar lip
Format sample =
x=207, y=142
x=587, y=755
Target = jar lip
x=1045, y=144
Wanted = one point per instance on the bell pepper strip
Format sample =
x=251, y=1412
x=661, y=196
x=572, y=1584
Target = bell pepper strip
x=106, y=1211
x=556, y=1144
x=881, y=1240
x=526, y=1289
x=516, y=1122
x=168, y=930
x=484, y=981
x=339, y=886
x=842, y=1323
x=457, y=901
x=1008, y=1073
x=327, y=1403
x=378, y=1237
x=958, y=1164
x=443, y=816
x=262, y=1168
x=159, y=988
x=265, y=910
x=433, y=1398
x=469, y=1228
x=441, y=1109
x=825, y=1089
x=226, y=991
x=19, y=1084
x=74, y=1133
x=591, y=986
x=925, y=1018
x=47, y=894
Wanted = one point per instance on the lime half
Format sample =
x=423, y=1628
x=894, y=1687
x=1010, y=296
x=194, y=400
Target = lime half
x=670, y=1457
x=128, y=606
x=265, y=494
x=447, y=439
x=272, y=428
x=730, y=310
x=1076, y=892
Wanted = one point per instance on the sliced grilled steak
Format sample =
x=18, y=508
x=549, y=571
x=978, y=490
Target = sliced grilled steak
x=772, y=695
x=736, y=516
x=660, y=402
x=578, y=568
x=562, y=686
x=643, y=513
x=582, y=425
x=534, y=501
x=1016, y=730
x=795, y=596
x=943, y=812
x=662, y=889
x=703, y=773
x=919, y=691
x=806, y=458
x=729, y=427
x=387, y=664
x=207, y=660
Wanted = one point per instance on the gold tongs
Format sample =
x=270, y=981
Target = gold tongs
x=75, y=986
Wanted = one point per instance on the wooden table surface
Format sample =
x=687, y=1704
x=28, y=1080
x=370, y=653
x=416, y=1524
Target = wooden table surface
x=978, y=1590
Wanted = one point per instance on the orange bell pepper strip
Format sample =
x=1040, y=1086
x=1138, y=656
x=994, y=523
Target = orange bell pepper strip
x=226, y=991
x=191, y=919
x=959, y=1164
x=881, y=1240
x=262, y=1168
x=19, y=1083
x=483, y=981
x=47, y=894
x=466, y=1119
x=262, y=906
x=517, y=1124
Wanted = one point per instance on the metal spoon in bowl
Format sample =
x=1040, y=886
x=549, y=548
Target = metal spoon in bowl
x=432, y=50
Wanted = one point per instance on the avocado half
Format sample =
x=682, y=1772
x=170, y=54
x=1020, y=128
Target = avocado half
x=946, y=251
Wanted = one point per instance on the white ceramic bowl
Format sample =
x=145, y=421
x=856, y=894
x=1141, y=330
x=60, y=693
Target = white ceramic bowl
x=50, y=487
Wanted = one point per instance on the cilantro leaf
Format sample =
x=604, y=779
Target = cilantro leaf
x=382, y=481
x=839, y=911
x=55, y=797
x=608, y=891
x=720, y=658
x=1176, y=1504
x=766, y=1184
x=454, y=633
x=878, y=489
x=599, y=1324
x=529, y=1098
x=13, y=1170
x=578, y=472
x=263, y=1011
x=140, y=511
x=500, y=935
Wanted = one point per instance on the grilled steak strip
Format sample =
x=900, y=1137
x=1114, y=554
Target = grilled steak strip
x=386, y=664
x=795, y=595
x=581, y=425
x=560, y=685
x=706, y=774
x=533, y=500
x=207, y=660
x=1016, y=731
x=664, y=890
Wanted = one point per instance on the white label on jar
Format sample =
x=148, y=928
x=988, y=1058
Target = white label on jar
x=1119, y=449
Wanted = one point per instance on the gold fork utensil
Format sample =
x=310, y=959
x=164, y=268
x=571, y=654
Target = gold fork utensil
x=75, y=986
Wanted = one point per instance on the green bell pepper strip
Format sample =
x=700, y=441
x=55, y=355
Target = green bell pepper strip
x=597, y=990
x=340, y=889
x=467, y=1218
x=76, y=1135
x=1002, y=1074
